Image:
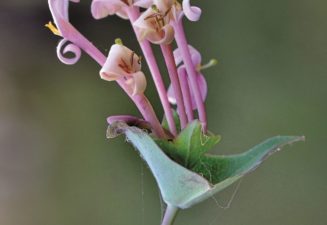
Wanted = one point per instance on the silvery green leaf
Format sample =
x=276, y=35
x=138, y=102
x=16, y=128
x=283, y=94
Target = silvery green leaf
x=183, y=188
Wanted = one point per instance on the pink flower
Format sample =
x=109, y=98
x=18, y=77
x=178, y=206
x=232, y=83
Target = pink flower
x=123, y=64
x=196, y=59
x=154, y=26
x=104, y=8
x=193, y=13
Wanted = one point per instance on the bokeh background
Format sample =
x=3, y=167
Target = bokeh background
x=57, y=167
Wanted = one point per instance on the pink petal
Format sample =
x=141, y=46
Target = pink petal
x=167, y=38
x=202, y=85
x=164, y=5
x=195, y=54
x=137, y=83
x=203, y=89
x=59, y=11
x=193, y=13
x=104, y=8
x=143, y=3
x=117, y=56
x=147, y=28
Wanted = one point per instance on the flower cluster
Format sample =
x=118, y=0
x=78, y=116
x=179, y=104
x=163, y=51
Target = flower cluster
x=158, y=22
x=176, y=151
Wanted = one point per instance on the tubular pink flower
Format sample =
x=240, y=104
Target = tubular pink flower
x=59, y=11
x=154, y=26
x=123, y=64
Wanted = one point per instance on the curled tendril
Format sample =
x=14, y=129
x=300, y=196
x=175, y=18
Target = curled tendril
x=63, y=49
x=193, y=13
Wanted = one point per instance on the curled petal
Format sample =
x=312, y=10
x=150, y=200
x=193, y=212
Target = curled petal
x=104, y=8
x=137, y=83
x=195, y=54
x=193, y=13
x=59, y=11
x=61, y=50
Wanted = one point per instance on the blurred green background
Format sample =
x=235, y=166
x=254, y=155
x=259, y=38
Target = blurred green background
x=57, y=167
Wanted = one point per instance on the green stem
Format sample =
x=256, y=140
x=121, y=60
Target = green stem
x=170, y=215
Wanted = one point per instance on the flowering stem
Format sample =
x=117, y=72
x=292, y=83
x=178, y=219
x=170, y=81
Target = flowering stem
x=172, y=71
x=133, y=14
x=170, y=215
x=149, y=115
x=191, y=70
x=141, y=102
x=186, y=93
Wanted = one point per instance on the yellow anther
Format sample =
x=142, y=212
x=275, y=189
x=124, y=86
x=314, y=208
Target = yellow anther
x=53, y=29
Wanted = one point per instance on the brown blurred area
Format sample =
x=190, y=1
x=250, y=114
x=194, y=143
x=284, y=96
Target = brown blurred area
x=56, y=167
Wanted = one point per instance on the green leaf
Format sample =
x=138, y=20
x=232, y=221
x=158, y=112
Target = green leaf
x=216, y=168
x=189, y=145
x=177, y=184
x=184, y=188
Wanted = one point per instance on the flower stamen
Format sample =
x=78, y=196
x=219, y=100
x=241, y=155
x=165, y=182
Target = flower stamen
x=211, y=63
x=53, y=28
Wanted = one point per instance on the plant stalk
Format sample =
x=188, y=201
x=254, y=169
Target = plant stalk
x=133, y=14
x=186, y=93
x=141, y=102
x=181, y=40
x=170, y=215
x=175, y=82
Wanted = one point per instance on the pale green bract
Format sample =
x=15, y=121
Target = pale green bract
x=206, y=175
